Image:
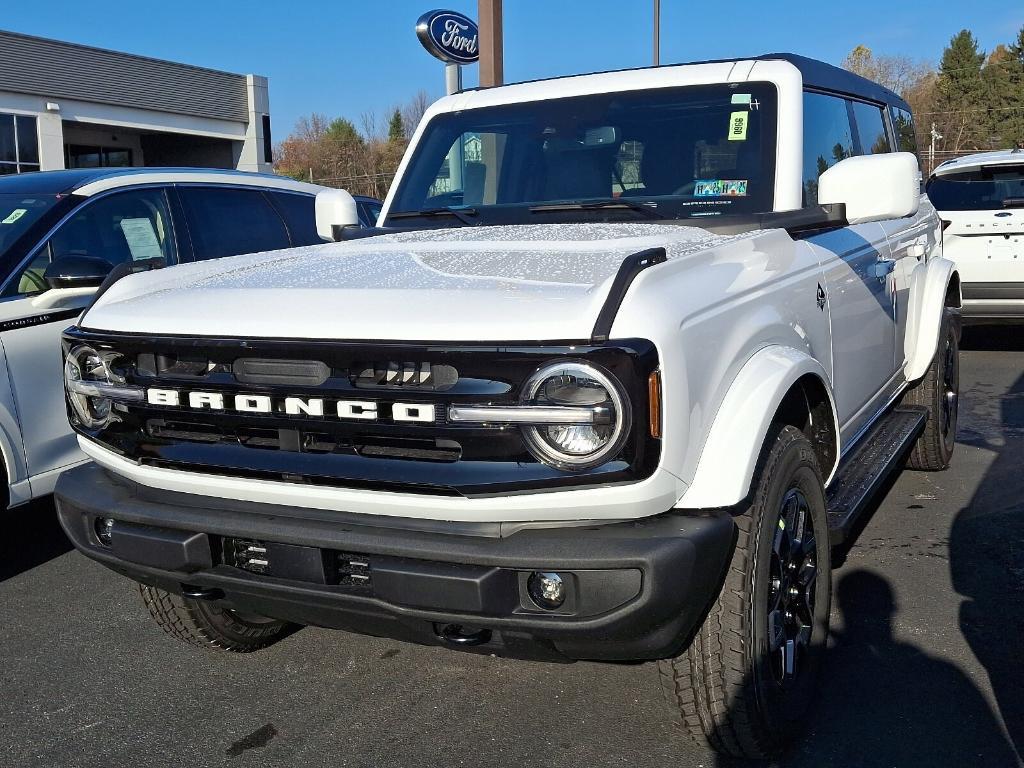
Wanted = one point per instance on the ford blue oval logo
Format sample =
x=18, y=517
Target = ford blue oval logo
x=1003, y=214
x=449, y=36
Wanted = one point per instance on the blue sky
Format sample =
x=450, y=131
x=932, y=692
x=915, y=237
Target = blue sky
x=348, y=57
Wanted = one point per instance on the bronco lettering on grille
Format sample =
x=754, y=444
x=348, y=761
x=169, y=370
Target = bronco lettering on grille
x=292, y=406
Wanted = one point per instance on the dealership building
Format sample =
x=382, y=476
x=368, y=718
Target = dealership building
x=64, y=105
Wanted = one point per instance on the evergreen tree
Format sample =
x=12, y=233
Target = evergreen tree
x=396, y=127
x=961, y=103
x=1004, y=75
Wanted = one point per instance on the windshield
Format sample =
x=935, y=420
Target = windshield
x=991, y=187
x=689, y=151
x=18, y=213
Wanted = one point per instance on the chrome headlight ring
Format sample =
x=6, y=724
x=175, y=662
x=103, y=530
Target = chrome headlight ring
x=577, y=446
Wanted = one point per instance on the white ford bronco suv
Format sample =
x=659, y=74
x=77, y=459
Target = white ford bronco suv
x=627, y=357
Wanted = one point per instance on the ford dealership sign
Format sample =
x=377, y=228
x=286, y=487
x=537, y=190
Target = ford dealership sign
x=449, y=36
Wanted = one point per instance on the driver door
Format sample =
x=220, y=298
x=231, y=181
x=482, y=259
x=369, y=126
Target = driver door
x=118, y=227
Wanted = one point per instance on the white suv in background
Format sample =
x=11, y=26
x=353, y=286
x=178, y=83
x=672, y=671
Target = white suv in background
x=981, y=199
x=62, y=232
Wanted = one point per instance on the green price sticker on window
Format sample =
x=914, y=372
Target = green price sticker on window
x=14, y=215
x=738, y=126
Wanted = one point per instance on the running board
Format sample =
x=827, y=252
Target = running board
x=878, y=454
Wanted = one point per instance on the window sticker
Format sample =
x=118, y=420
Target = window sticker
x=141, y=237
x=720, y=188
x=14, y=215
x=741, y=98
x=738, y=126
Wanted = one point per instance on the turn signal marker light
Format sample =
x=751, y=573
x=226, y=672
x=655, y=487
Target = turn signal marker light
x=654, y=404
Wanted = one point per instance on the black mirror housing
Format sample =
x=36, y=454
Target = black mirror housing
x=77, y=271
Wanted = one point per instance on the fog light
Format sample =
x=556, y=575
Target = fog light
x=546, y=589
x=103, y=526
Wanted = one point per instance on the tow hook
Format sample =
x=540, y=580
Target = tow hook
x=457, y=634
x=201, y=593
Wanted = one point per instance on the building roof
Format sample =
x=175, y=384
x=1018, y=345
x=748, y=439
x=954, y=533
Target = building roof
x=89, y=181
x=1000, y=157
x=56, y=70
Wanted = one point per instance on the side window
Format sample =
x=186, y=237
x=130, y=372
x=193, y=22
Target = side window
x=226, y=222
x=299, y=214
x=828, y=138
x=368, y=213
x=903, y=124
x=120, y=227
x=870, y=122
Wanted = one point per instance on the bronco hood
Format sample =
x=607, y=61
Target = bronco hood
x=509, y=283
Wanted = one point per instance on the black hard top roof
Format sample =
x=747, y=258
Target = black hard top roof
x=816, y=74
x=827, y=77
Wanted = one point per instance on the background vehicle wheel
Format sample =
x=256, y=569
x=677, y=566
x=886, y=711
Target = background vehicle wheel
x=745, y=683
x=208, y=625
x=939, y=392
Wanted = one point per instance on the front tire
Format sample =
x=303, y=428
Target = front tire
x=208, y=625
x=746, y=681
x=939, y=392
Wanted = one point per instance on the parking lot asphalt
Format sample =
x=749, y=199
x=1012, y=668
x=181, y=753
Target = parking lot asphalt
x=924, y=665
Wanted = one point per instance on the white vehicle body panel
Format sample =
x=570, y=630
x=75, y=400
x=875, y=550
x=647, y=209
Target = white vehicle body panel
x=523, y=283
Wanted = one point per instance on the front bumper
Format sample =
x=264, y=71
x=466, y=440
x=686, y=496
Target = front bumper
x=635, y=590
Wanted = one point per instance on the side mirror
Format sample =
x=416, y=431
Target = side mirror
x=873, y=187
x=77, y=271
x=335, y=210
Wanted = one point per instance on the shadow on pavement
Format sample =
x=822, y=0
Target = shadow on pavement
x=31, y=537
x=986, y=559
x=993, y=338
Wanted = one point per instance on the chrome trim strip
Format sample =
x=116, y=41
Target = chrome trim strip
x=102, y=389
x=526, y=414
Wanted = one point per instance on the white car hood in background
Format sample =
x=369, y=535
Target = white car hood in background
x=510, y=283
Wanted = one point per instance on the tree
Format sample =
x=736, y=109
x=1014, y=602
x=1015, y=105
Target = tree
x=897, y=73
x=396, y=127
x=960, y=98
x=1003, y=75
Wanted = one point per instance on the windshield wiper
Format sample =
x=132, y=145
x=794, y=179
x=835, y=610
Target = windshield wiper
x=593, y=205
x=462, y=214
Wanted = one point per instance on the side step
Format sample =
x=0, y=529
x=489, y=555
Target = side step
x=878, y=454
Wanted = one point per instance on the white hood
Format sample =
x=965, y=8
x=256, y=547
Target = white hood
x=511, y=283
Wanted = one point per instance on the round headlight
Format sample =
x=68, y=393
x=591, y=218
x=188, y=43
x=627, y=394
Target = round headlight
x=85, y=366
x=577, y=445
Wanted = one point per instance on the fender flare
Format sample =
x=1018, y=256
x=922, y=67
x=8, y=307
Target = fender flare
x=929, y=288
x=737, y=433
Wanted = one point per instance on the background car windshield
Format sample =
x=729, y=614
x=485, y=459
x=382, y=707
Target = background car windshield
x=18, y=213
x=696, y=150
x=980, y=189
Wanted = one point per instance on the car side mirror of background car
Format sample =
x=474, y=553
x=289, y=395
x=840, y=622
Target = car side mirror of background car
x=873, y=187
x=335, y=209
x=77, y=271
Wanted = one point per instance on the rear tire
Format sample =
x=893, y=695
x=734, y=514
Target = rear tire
x=746, y=681
x=207, y=625
x=939, y=392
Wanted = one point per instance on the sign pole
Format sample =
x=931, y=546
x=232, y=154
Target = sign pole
x=452, y=78
x=453, y=84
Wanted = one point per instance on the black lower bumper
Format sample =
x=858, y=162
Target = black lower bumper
x=633, y=590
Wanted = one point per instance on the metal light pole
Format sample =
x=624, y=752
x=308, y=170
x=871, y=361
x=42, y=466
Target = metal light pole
x=492, y=70
x=657, y=32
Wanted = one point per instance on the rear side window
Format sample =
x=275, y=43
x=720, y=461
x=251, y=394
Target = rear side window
x=987, y=188
x=870, y=122
x=228, y=222
x=903, y=124
x=299, y=212
x=828, y=138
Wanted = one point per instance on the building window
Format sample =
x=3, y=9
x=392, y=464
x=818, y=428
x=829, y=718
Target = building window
x=79, y=156
x=19, y=144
